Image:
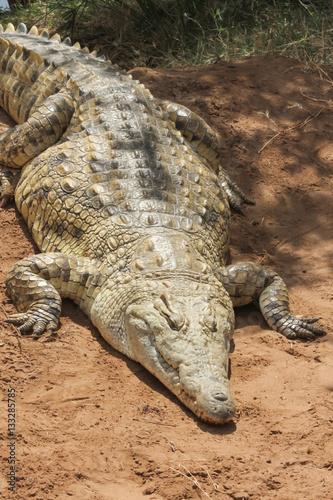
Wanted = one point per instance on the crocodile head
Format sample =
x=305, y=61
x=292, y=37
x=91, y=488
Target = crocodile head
x=174, y=317
x=181, y=334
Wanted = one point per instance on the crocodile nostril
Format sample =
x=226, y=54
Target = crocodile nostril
x=220, y=396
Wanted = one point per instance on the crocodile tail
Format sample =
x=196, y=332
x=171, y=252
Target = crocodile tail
x=56, y=38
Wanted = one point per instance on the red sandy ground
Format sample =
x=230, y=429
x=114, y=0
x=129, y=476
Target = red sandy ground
x=92, y=424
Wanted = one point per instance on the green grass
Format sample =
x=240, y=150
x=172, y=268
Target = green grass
x=172, y=32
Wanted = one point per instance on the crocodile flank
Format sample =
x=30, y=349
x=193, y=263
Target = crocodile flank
x=127, y=201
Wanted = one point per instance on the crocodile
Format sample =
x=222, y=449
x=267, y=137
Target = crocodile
x=126, y=199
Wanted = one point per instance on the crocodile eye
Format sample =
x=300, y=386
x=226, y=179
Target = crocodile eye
x=175, y=321
x=169, y=311
x=209, y=321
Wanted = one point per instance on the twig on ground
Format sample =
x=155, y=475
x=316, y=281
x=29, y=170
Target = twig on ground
x=193, y=479
x=329, y=103
x=298, y=126
x=270, y=140
x=321, y=72
x=215, y=485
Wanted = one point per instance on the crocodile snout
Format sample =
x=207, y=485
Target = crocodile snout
x=217, y=407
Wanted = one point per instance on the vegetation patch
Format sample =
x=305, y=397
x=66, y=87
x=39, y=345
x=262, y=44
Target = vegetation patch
x=172, y=32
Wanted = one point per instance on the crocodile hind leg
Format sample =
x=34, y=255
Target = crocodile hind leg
x=22, y=143
x=203, y=139
x=8, y=180
x=246, y=282
x=194, y=129
x=37, y=285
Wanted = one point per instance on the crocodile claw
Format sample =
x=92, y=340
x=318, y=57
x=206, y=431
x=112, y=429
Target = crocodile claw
x=235, y=195
x=5, y=191
x=37, y=322
x=302, y=328
x=8, y=182
x=4, y=199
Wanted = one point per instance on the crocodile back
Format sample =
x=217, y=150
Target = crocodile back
x=121, y=172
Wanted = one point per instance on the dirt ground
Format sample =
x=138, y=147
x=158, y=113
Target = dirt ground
x=91, y=424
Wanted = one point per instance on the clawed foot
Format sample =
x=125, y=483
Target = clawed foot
x=8, y=181
x=37, y=321
x=235, y=195
x=297, y=327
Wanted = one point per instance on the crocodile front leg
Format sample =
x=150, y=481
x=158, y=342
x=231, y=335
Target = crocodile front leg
x=37, y=285
x=204, y=140
x=246, y=282
x=24, y=142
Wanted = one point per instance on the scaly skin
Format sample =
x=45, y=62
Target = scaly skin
x=125, y=198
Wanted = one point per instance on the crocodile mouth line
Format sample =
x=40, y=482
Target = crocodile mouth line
x=177, y=384
x=187, y=398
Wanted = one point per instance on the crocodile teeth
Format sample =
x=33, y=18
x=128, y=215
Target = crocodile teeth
x=77, y=46
x=10, y=28
x=22, y=28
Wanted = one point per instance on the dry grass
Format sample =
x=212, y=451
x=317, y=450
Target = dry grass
x=172, y=32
